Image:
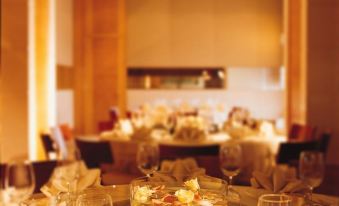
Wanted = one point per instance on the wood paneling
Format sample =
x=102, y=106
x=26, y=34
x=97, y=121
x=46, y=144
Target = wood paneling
x=65, y=77
x=14, y=77
x=99, y=78
x=296, y=68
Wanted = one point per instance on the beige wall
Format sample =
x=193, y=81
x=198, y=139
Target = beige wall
x=64, y=32
x=199, y=32
x=323, y=69
x=14, y=86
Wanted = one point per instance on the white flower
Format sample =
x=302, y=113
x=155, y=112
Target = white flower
x=184, y=196
x=142, y=194
x=192, y=185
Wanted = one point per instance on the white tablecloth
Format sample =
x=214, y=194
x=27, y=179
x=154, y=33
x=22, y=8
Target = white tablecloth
x=258, y=152
x=248, y=197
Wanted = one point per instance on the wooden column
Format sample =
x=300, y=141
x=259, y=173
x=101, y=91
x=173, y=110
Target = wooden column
x=296, y=61
x=99, y=61
x=44, y=82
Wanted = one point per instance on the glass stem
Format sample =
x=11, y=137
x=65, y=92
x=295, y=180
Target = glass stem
x=309, y=196
x=230, y=178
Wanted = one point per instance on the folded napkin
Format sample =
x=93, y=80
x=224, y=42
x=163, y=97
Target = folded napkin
x=190, y=129
x=64, y=175
x=141, y=133
x=178, y=170
x=279, y=179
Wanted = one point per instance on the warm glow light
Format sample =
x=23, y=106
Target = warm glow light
x=31, y=83
x=51, y=74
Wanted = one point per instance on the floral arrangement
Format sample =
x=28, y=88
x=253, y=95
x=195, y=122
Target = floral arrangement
x=189, y=195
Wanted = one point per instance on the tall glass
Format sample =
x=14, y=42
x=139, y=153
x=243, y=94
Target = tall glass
x=148, y=158
x=274, y=200
x=311, y=169
x=19, y=181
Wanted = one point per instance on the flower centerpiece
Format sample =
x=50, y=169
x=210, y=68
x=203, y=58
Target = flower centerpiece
x=188, y=194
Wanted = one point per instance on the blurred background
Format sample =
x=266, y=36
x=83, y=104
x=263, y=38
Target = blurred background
x=88, y=65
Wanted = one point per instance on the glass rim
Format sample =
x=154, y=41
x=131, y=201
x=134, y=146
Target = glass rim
x=146, y=178
x=93, y=196
x=288, y=198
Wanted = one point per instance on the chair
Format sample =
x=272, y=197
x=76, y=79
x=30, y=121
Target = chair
x=2, y=176
x=48, y=145
x=323, y=142
x=43, y=171
x=66, y=131
x=95, y=153
x=289, y=152
x=173, y=151
x=105, y=125
x=301, y=133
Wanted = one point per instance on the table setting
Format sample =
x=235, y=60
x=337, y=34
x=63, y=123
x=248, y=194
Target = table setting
x=179, y=182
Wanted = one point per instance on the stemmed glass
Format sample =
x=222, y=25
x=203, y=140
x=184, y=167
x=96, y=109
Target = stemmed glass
x=94, y=200
x=311, y=169
x=148, y=158
x=68, y=171
x=274, y=200
x=230, y=157
x=19, y=181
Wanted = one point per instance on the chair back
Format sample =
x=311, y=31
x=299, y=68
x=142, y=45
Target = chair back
x=105, y=125
x=302, y=133
x=289, y=152
x=324, y=141
x=95, y=153
x=43, y=171
x=174, y=151
x=2, y=176
x=206, y=156
x=48, y=144
x=59, y=139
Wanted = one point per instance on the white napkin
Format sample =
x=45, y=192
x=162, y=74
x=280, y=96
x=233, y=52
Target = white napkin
x=63, y=175
x=280, y=179
x=190, y=129
x=178, y=170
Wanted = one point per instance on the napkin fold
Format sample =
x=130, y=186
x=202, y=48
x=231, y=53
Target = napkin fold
x=190, y=129
x=178, y=170
x=76, y=172
x=278, y=179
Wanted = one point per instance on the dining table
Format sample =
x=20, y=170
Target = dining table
x=258, y=151
x=120, y=195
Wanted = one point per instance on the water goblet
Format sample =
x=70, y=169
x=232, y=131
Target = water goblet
x=274, y=200
x=19, y=181
x=148, y=158
x=311, y=169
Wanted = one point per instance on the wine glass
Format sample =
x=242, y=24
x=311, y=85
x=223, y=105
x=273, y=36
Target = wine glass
x=148, y=158
x=311, y=169
x=68, y=172
x=274, y=200
x=19, y=181
x=94, y=199
x=230, y=157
